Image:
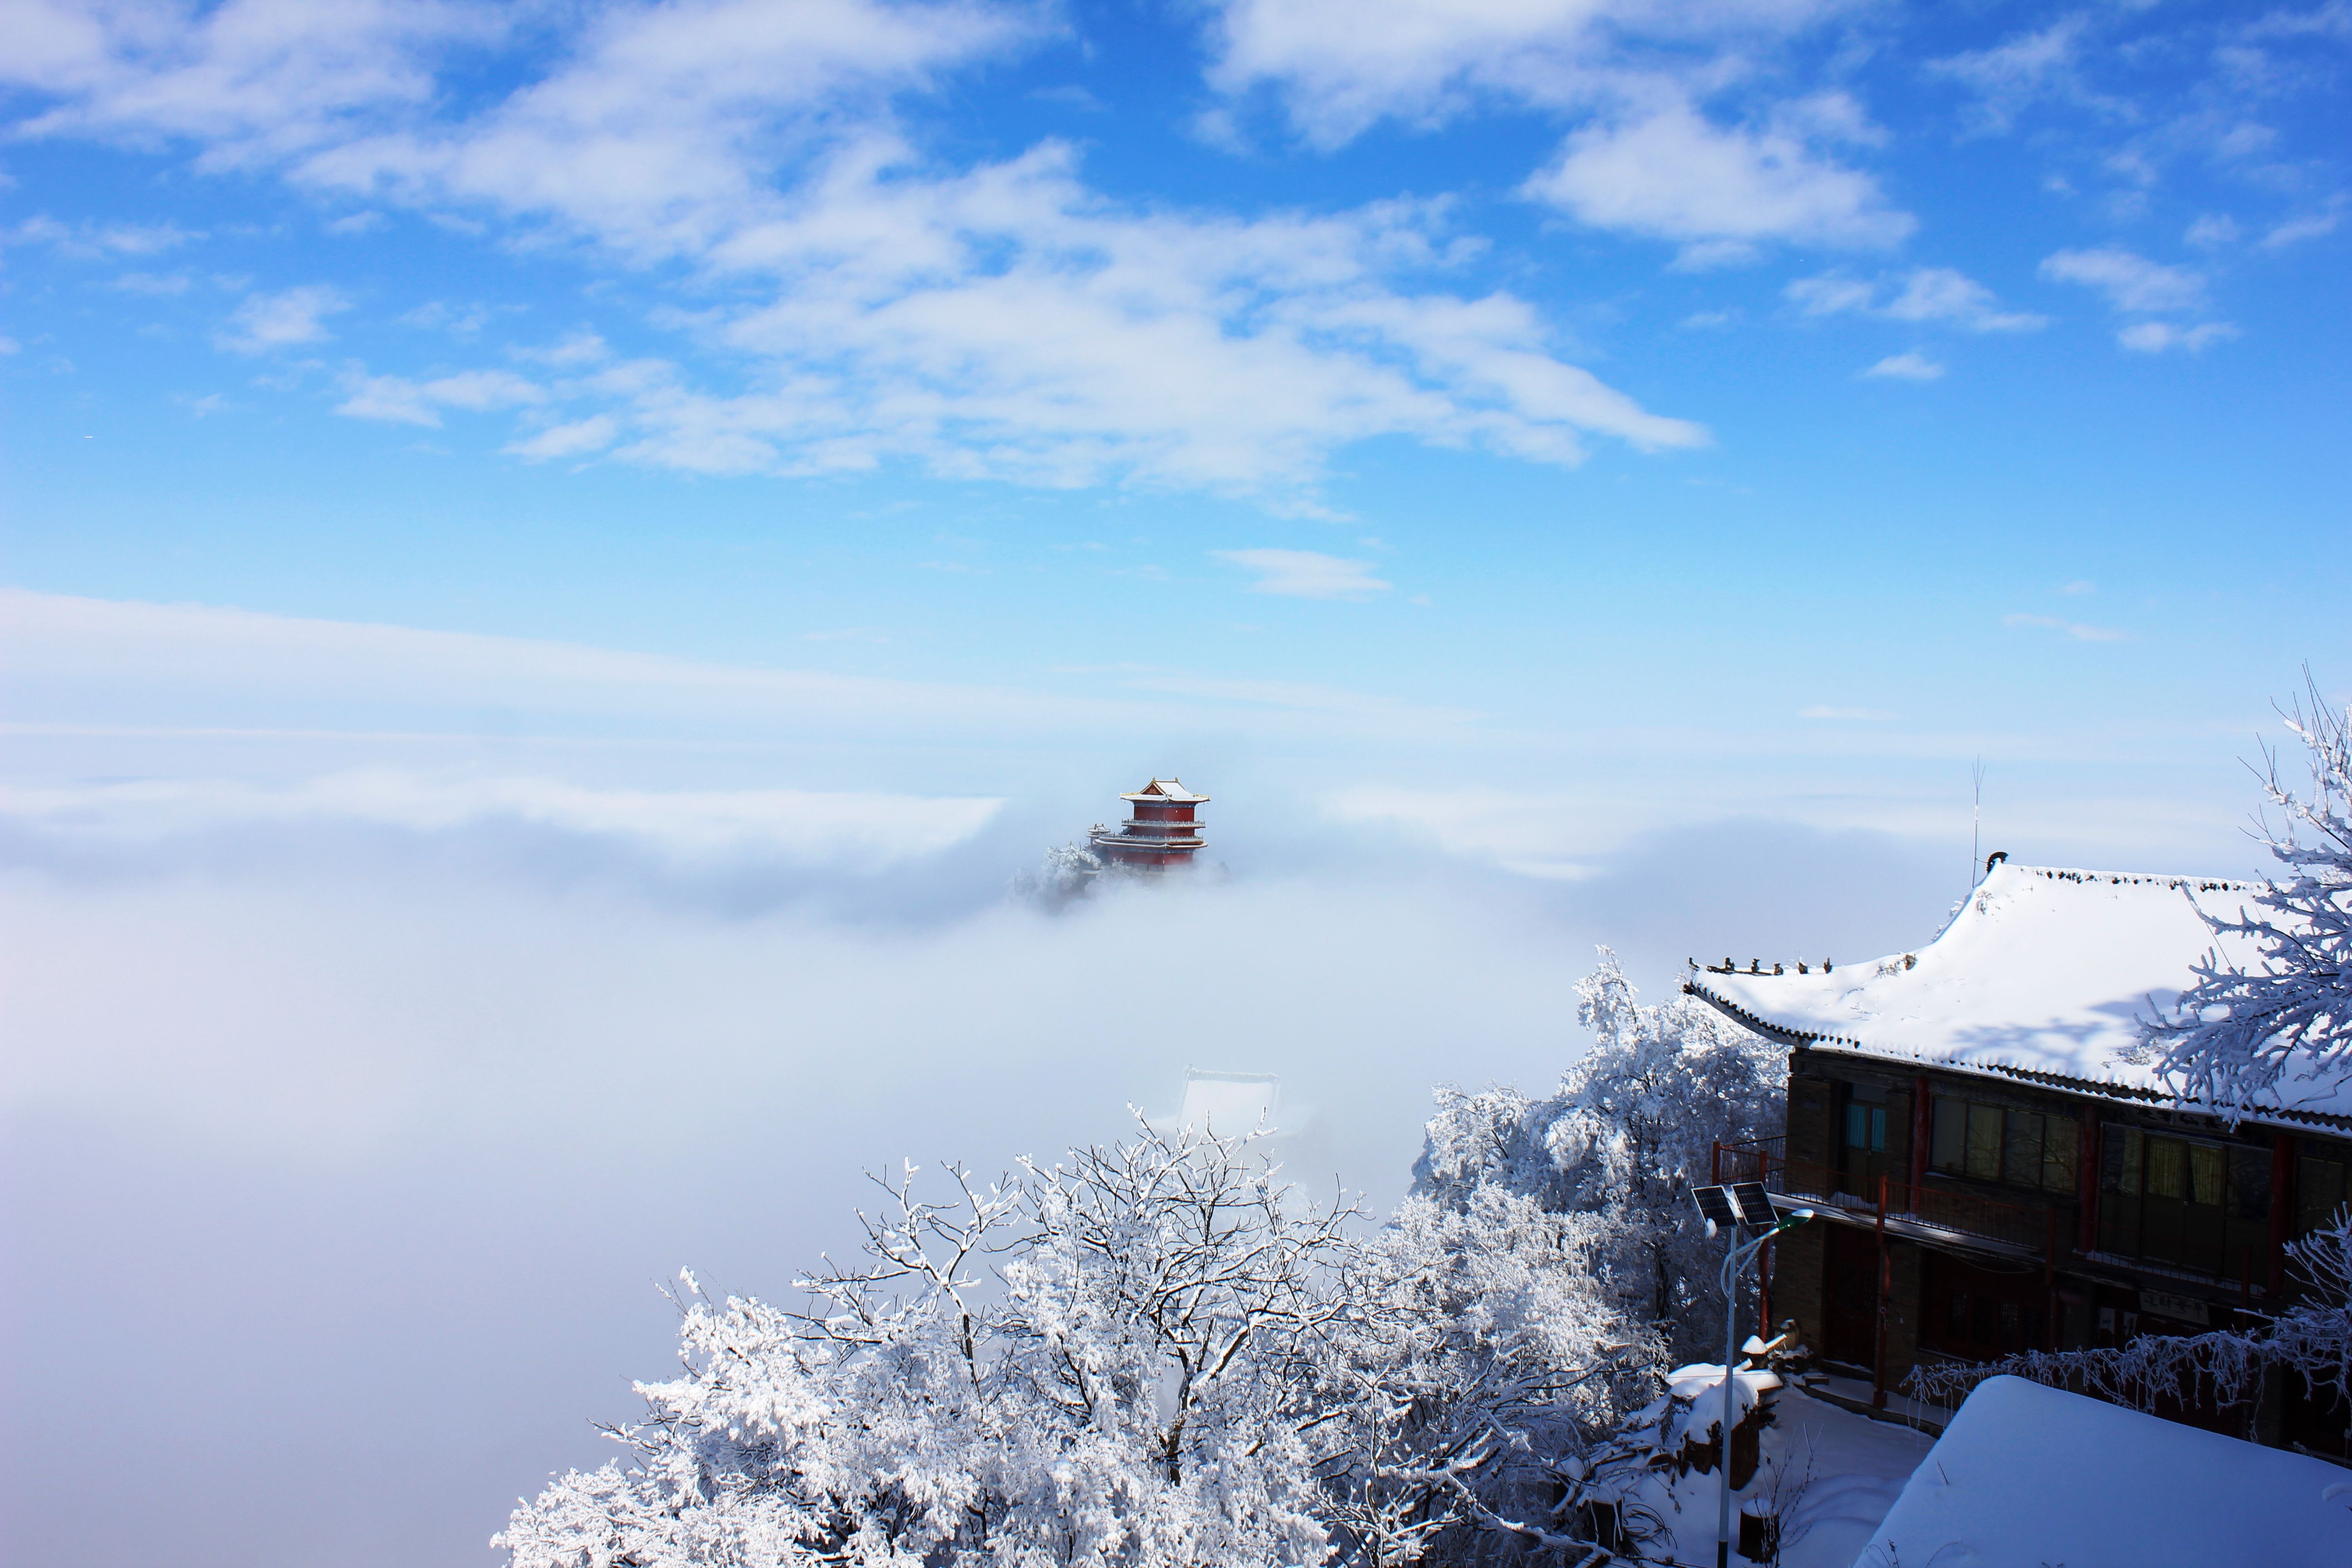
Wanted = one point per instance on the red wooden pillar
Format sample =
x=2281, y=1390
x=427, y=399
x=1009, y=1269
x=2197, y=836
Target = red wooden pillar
x=1923, y=1132
x=2088, y=1157
x=2283, y=1206
x=1885, y=1289
x=2049, y=1280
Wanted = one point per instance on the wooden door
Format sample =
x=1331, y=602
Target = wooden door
x=1849, y=1296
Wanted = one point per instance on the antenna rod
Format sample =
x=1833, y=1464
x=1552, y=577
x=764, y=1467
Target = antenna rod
x=1976, y=820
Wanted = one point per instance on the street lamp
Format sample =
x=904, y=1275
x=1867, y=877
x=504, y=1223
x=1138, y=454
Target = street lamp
x=1748, y=1203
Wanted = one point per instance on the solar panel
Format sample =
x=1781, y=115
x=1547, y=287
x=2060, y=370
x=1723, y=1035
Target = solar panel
x=1755, y=1204
x=1714, y=1206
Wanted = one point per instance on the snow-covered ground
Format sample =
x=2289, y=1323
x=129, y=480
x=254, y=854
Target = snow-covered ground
x=1858, y=1468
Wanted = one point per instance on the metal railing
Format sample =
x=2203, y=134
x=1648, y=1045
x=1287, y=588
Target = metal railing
x=1922, y=1210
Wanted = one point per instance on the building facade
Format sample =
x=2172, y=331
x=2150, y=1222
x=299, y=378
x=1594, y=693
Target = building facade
x=1996, y=1165
x=1162, y=831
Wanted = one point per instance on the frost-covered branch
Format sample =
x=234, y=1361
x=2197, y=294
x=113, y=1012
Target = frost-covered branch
x=2238, y=1030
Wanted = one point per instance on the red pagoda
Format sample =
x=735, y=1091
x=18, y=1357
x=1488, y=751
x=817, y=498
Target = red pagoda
x=1160, y=834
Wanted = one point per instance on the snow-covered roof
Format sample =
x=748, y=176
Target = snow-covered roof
x=2026, y=1475
x=2042, y=975
x=1165, y=792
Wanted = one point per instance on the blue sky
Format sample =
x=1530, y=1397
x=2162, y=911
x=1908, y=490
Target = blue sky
x=554, y=559
x=1846, y=389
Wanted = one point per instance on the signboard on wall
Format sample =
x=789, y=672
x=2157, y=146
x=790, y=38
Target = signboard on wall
x=2179, y=1309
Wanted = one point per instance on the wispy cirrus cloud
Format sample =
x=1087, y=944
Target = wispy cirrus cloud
x=2019, y=72
x=407, y=402
x=1305, y=574
x=2134, y=285
x=1339, y=66
x=868, y=829
x=2074, y=629
x=1906, y=367
x=95, y=239
x=288, y=318
x=1939, y=295
x=2129, y=280
x=2156, y=337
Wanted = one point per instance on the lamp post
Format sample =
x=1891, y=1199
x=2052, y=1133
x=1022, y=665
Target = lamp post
x=1733, y=1262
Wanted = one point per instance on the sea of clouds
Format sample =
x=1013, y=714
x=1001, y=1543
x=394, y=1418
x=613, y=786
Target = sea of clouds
x=350, y=1140
x=389, y=1013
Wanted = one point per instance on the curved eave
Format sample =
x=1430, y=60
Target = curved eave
x=1819, y=1040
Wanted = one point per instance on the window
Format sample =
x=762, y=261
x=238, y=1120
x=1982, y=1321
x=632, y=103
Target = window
x=2322, y=1186
x=1860, y=1132
x=2193, y=1205
x=1993, y=1143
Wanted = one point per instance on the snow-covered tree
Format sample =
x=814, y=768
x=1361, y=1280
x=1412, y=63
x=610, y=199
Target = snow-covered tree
x=2238, y=1030
x=1066, y=872
x=1154, y=1355
x=1488, y=1364
x=1631, y=1130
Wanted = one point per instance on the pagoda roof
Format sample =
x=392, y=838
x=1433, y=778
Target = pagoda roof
x=1165, y=792
x=2042, y=976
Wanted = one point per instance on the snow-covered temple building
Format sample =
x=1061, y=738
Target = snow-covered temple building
x=1161, y=832
x=2001, y=1167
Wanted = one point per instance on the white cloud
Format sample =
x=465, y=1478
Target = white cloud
x=1008, y=323
x=656, y=132
x=867, y=830
x=2155, y=337
x=1555, y=837
x=1939, y=294
x=1002, y=320
x=1672, y=173
x=162, y=285
x=250, y=80
x=1907, y=367
x=2009, y=76
x=1305, y=573
x=284, y=319
x=1308, y=697
x=2073, y=629
x=576, y=439
x=402, y=401
x=2130, y=282
x=131, y=670
x=2311, y=226
x=581, y=347
x=88, y=240
x=2212, y=229
x=1342, y=65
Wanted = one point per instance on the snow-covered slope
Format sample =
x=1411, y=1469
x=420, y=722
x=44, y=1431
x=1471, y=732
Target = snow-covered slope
x=2027, y=1475
x=2045, y=970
